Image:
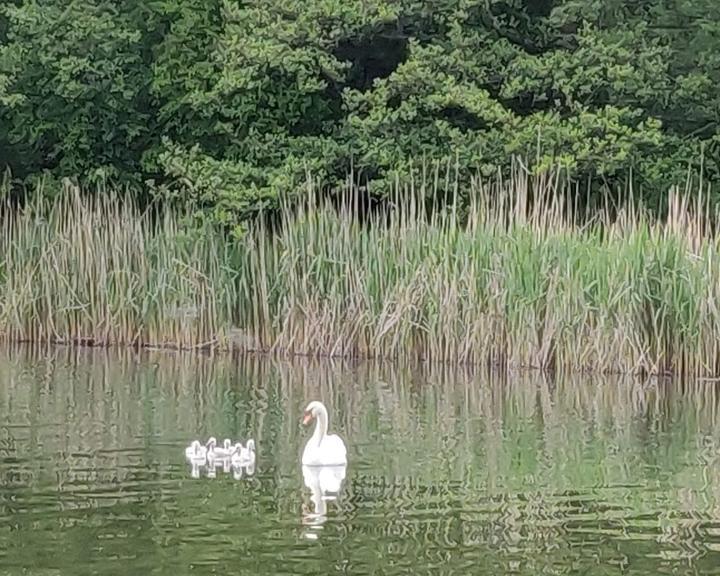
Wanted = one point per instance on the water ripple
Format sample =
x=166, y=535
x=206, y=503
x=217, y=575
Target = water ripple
x=450, y=473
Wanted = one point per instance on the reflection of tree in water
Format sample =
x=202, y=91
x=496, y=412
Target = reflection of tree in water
x=447, y=467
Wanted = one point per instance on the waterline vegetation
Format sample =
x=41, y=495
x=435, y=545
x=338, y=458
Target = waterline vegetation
x=512, y=277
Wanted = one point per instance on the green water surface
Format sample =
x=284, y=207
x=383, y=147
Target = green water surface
x=449, y=472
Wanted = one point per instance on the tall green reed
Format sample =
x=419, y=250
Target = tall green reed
x=100, y=271
x=510, y=276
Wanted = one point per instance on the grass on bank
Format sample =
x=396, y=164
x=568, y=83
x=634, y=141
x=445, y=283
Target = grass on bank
x=508, y=282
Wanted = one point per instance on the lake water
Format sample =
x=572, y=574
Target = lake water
x=449, y=472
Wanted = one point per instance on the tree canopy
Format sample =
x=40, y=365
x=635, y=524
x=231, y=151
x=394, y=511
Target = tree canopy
x=227, y=103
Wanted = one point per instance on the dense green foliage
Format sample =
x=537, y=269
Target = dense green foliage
x=226, y=103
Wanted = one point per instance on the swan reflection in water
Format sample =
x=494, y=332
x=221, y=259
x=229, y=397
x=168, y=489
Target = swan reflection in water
x=325, y=483
x=238, y=470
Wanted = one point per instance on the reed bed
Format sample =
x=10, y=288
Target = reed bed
x=513, y=279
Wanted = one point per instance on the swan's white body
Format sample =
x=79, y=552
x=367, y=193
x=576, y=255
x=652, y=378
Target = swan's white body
x=322, y=449
x=210, y=445
x=243, y=456
x=196, y=451
x=324, y=481
x=219, y=453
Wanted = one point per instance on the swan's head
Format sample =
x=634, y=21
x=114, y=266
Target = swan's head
x=227, y=444
x=312, y=411
x=251, y=445
x=212, y=442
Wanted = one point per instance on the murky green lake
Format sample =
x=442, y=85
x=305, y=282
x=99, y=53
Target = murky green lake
x=449, y=472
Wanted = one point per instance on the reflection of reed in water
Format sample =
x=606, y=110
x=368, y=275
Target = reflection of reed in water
x=441, y=455
x=90, y=416
x=528, y=459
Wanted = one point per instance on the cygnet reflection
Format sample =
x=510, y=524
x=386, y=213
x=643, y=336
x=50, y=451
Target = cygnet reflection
x=239, y=470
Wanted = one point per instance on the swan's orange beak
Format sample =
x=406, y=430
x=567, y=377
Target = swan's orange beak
x=307, y=417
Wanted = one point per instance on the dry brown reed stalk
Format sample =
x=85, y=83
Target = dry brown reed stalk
x=508, y=274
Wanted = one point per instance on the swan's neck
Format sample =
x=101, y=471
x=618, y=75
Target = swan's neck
x=321, y=427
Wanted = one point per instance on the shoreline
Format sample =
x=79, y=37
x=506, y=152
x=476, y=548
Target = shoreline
x=399, y=362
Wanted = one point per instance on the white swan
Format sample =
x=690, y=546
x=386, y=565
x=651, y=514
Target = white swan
x=217, y=453
x=243, y=456
x=196, y=451
x=210, y=445
x=321, y=449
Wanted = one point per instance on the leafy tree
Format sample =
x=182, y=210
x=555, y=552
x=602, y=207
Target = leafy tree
x=225, y=104
x=72, y=93
x=264, y=104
